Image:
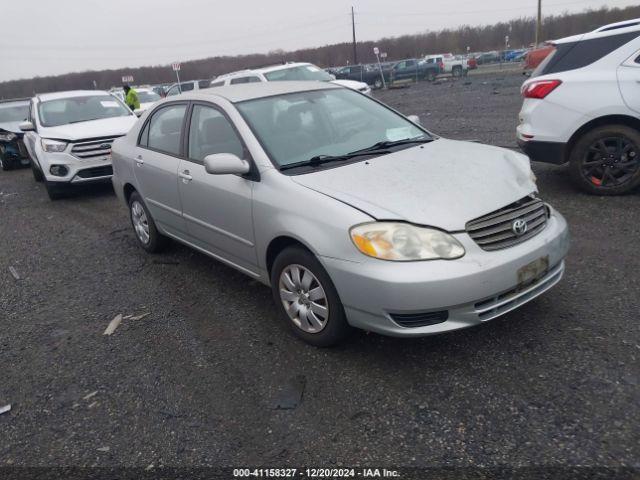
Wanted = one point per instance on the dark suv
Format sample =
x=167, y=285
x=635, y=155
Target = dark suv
x=12, y=150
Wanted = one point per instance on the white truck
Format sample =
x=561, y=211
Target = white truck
x=448, y=64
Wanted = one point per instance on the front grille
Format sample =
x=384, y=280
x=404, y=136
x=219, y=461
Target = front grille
x=496, y=230
x=95, y=172
x=93, y=148
x=413, y=320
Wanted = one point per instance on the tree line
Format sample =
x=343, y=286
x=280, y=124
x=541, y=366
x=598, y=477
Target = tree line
x=521, y=32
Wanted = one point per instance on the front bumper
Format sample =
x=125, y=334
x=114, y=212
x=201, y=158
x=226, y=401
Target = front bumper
x=78, y=170
x=473, y=289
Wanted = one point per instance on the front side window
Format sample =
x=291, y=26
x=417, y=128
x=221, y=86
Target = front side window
x=204, y=83
x=14, y=111
x=165, y=129
x=186, y=86
x=302, y=72
x=173, y=91
x=210, y=132
x=297, y=127
x=63, y=111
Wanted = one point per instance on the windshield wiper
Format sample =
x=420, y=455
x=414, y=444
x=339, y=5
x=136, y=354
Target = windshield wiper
x=322, y=159
x=394, y=143
x=87, y=120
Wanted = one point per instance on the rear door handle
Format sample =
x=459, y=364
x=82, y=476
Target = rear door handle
x=139, y=160
x=186, y=178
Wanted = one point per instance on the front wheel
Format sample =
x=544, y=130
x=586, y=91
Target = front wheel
x=378, y=84
x=56, y=190
x=457, y=72
x=37, y=174
x=307, y=299
x=431, y=77
x=606, y=160
x=5, y=164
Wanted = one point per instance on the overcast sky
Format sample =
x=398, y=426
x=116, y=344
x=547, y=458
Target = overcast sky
x=44, y=37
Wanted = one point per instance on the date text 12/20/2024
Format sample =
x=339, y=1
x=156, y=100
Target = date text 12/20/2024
x=315, y=473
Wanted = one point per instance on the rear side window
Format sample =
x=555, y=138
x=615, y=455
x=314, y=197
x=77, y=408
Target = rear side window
x=204, y=83
x=165, y=129
x=217, y=84
x=570, y=56
x=185, y=87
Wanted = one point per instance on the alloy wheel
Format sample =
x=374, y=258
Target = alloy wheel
x=140, y=222
x=304, y=298
x=610, y=161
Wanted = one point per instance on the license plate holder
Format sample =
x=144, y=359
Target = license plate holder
x=533, y=271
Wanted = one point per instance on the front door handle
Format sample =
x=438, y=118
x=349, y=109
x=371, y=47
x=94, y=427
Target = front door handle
x=184, y=175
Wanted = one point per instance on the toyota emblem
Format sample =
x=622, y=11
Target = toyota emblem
x=519, y=226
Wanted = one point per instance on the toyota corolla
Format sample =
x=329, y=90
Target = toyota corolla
x=354, y=215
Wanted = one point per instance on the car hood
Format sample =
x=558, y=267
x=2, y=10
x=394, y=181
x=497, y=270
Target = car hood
x=353, y=84
x=443, y=184
x=106, y=127
x=13, y=127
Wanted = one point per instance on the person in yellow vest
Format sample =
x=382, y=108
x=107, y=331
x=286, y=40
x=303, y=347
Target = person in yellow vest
x=131, y=98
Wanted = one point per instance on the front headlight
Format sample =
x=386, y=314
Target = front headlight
x=7, y=136
x=49, y=145
x=402, y=242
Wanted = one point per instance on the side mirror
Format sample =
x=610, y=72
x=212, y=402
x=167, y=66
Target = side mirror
x=414, y=119
x=225, y=164
x=26, y=126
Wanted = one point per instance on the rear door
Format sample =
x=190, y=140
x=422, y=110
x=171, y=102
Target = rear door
x=157, y=158
x=217, y=208
x=629, y=80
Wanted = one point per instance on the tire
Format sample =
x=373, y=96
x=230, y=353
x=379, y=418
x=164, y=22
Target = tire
x=606, y=160
x=5, y=165
x=37, y=174
x=142, y=222
x=56, y=190
x=315, y=329
x=457, y=72
x=378, y=84
x=430, y=77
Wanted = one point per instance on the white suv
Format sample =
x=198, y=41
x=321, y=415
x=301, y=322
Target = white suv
x=69, y=135
x=582, y=106
x=287, y=71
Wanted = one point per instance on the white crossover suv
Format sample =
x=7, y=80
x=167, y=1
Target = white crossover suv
x=287, y=71
x=69, y=135
x=582, y=106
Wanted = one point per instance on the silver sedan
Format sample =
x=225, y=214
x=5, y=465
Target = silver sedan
x=353, y=214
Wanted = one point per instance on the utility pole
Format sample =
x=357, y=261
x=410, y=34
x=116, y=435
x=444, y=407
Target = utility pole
x=539, y=23
x=353, y=27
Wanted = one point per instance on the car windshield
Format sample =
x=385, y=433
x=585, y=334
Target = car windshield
x=63, y=111
x=295, y=128
x=148, y=97
x=13, y=111
x=302, y=72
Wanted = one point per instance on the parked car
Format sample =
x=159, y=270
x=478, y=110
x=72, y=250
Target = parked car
x=12, y=150
x=535, y=56
x=414, y=69
x=354, y=215
x=147, y=97
x=176, y=89
x=513, y=55
x=69, y=134
x=448, y=64
x=487, y=58
x=582, y=106
x=369, y=74
x=287, y=72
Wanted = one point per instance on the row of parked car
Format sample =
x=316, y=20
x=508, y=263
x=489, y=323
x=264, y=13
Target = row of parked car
x=355, y=215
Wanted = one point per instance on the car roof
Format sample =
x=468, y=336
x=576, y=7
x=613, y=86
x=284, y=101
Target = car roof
x=632, y=25
x=251, y=91
x=70, y=94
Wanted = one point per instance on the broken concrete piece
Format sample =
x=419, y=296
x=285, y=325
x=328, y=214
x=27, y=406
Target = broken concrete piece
x=113, y=325
x=14, y=273
x=5, y=409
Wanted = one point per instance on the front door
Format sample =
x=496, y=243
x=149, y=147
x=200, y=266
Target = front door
x=217, y=208
x=157, y=159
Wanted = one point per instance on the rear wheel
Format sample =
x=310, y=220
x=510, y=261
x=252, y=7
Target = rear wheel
x=144, y=227
x=378, y=84
x=606, y=160
x=431, y=77
x=457, y=72
x=307, y=299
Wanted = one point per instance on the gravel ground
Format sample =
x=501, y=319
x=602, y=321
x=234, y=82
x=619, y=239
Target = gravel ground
x=198, y=381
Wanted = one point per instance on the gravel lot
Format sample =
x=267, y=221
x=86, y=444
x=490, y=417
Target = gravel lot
x=198, y=381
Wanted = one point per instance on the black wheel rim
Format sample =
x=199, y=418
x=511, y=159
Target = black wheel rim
x=610, y=162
